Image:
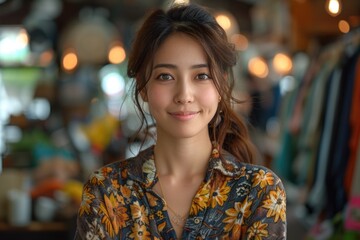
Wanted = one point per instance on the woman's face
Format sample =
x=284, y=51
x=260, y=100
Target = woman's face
x=181, y=93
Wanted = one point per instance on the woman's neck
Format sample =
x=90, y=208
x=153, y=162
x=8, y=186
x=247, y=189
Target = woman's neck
x=182, y=157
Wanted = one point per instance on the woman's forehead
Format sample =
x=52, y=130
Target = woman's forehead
x=180, y=47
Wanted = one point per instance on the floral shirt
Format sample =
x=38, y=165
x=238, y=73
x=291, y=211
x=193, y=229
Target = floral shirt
x=235, y=201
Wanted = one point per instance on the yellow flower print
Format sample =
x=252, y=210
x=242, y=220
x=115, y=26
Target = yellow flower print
x=236, y=215
x=200, y=200
x=139, y=212
x=263, y=179
x=258, y=230
x=161, y=226
x=115, y=183
x=139, y=232
x=276, y=204
x=99, y=176
x=152, y=199
x=220, y=194
x=124, y=173
x=120, y=199
x=86, y=200
x=125, y=191
x=115, y=215
x=160, y=214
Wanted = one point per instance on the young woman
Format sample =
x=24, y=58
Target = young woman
x=197, y=181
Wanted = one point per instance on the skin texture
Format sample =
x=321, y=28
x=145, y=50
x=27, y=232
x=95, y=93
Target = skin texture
x=181, y=94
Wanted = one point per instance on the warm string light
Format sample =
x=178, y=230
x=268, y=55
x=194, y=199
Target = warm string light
x=282, y=63
x=333, y=7
x=224, y=21
x=69, y=60
x=116, y=54
x=181, y=2
x=258, y=67
x=344, y=26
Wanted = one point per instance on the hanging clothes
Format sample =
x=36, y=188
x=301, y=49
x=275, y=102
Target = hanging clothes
x=320, y=136
x=355, y=129
x=340, y=143
x=291, y=110
x=316, y=198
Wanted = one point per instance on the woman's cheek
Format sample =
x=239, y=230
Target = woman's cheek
x=157, y=94
x=209, y=97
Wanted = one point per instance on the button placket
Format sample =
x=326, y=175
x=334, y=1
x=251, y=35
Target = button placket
x=160, y=217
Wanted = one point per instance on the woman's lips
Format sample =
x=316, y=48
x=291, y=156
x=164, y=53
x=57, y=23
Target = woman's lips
x=184, y=115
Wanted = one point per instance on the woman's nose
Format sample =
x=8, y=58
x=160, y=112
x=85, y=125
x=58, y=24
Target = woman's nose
x=184, y=92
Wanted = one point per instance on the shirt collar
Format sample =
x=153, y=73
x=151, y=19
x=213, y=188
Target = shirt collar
x=142, y=167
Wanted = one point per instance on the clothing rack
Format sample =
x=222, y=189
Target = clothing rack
x=320, y=147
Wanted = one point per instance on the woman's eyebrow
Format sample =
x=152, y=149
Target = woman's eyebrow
x=203, y=65
x=164, y=65
x=168, y=65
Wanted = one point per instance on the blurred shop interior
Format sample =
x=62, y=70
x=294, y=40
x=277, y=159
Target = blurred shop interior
x=66, y=106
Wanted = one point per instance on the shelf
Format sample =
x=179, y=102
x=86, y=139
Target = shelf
x=35, y=226
x=37, y=231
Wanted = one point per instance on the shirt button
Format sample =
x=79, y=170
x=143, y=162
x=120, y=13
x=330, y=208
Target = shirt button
x=196, y=221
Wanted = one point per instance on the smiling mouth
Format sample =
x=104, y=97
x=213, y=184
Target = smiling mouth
x=184, y=115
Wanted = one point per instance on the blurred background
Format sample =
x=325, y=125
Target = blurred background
x=66, y=107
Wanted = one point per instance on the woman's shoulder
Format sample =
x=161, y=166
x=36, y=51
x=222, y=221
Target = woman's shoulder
x=258, y=168
x=229, y=165
x=249, y=173
x=123, y=169
x=259, y=173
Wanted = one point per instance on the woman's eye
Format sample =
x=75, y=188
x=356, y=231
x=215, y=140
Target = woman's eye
x=165, y=77
x=203, y=76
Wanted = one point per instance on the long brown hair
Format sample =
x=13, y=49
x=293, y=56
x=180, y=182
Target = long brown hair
x=231, y=132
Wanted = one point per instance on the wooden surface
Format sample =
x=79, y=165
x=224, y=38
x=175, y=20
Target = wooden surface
x=37, y=231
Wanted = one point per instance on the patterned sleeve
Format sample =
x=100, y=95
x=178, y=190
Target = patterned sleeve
x=268, y=218
x=95, y=219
